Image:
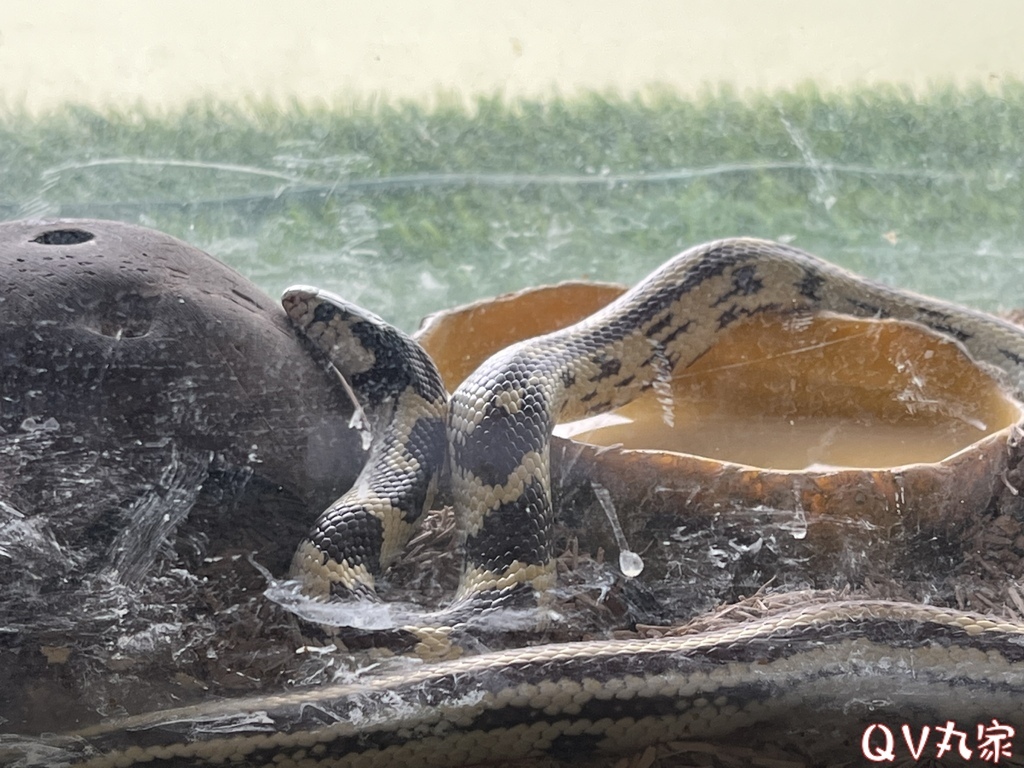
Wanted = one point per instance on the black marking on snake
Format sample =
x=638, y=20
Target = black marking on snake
x=890, y=633
x=951, y=330
x=671, y=360
x=1011, y=356
x=396, y=640
x=940, y=322
x=426, y=442
x=734, y=313
x=517, y=530
x=745, y=282
x=659, y=325
x=594, y=710
x=361, y=533
x=324, y=312
x=494, y=448
x=809, y=285
x=602, y=407
x=681, y=328
x=568, y=378
x=568, y=747
x=474, y=610
x=658, y=360
x=730, y=316
x=395, y=368
x=609, y=366
x=712, y=263
x=599, y=408
x=868, y=308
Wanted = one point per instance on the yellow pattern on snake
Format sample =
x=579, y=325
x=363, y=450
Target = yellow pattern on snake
x=834, y=664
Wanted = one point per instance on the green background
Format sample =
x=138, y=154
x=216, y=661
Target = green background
x=406, y=209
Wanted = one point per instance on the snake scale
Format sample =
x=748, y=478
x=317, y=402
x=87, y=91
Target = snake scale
x=583, y=698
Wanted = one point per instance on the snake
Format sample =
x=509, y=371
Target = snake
x=586, y=697
x=498, y=423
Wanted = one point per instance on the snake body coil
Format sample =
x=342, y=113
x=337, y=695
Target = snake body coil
x=817, y=678
x=500, y=419
x=830, y=667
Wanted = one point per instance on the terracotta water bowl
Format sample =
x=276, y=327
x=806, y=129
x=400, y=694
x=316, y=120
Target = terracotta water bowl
x=832, y=442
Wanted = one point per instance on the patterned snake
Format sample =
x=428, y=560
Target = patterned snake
x=587, y=697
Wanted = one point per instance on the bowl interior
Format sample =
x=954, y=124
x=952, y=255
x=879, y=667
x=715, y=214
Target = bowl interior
x=778, y=392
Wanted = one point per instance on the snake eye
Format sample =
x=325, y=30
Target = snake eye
x=64, y=237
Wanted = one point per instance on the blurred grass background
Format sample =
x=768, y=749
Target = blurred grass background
x=406, y=209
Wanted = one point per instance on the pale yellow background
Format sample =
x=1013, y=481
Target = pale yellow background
x=121, y=52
